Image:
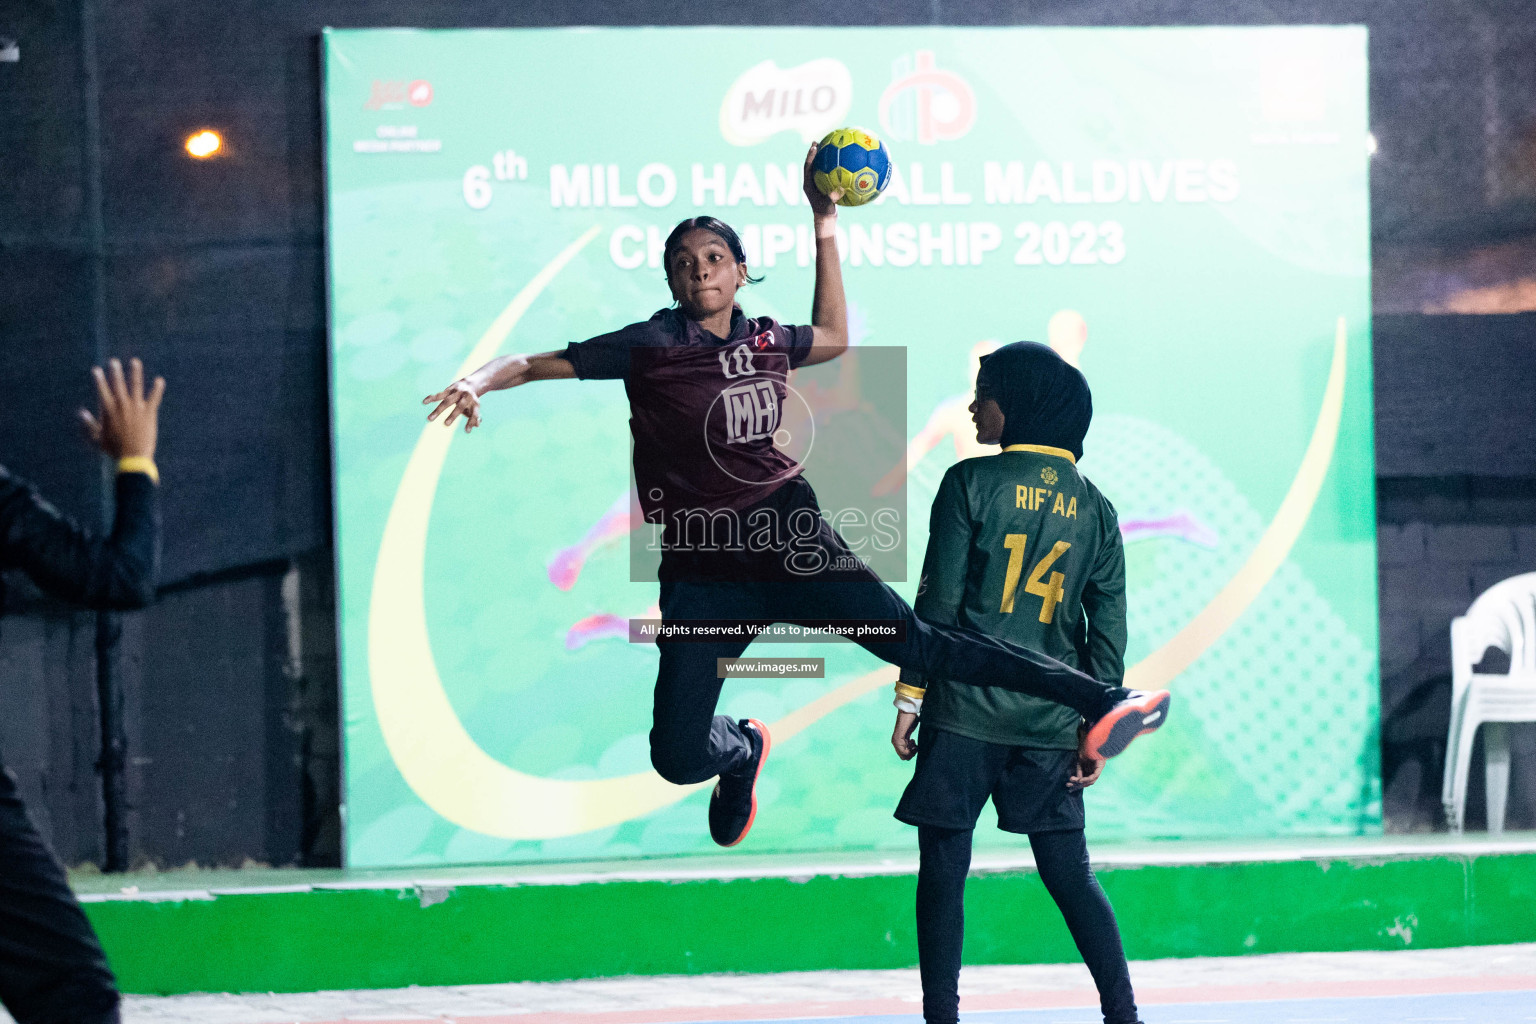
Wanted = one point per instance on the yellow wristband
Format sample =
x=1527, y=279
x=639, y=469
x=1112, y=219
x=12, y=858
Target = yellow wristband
x=139, y=464
x=914, y=692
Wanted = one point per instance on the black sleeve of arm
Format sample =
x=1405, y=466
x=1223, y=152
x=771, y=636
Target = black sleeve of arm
x=116, y=572
x=800, y=338
x=605, y=357
x=1103, y=645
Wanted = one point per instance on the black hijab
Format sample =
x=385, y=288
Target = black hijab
x=1044, y=398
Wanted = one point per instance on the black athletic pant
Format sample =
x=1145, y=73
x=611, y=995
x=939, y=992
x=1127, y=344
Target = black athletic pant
x=690, y=743
x=52, y=969
x=1062, y=859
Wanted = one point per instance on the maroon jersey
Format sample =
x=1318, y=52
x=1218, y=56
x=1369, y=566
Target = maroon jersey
x=703, y=410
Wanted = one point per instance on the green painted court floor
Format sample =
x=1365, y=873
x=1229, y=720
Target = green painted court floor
x=298, y=932
x=94, y=884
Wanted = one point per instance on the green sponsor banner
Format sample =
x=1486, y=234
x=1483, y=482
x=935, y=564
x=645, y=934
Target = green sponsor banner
x=1181, y=212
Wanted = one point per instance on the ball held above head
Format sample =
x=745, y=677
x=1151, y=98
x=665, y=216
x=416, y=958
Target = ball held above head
x=853, y=162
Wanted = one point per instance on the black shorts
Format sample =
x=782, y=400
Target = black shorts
x=956, y=774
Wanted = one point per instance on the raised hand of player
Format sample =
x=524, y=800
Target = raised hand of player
x=128, y=423
x=822, y=205
x=901, y=739
x=457, y=399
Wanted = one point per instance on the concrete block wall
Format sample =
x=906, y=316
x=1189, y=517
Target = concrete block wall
x=233, y=749
x=1440, y=543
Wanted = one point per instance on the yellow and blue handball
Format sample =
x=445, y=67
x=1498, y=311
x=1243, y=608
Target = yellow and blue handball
x=852, y=161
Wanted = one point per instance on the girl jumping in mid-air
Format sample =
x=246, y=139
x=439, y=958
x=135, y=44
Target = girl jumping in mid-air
x=742, y=535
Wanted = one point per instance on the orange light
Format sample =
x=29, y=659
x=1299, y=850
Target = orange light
x=204, y=144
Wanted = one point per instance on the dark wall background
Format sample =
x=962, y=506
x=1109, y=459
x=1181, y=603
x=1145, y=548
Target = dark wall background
x=112, y=242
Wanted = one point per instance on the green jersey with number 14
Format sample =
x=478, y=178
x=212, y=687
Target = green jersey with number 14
x=1024, y=548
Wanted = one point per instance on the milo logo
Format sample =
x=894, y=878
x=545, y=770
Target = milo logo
x=810, y=98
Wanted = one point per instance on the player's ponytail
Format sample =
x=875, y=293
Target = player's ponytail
x=715, y=226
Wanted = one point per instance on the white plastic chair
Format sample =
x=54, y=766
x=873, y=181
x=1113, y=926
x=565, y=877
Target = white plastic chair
x=1504, y=616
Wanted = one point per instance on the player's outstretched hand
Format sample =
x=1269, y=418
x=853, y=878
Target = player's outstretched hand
x=901, y=739
x=822, y=205
x=457, y=399
x=127, y=424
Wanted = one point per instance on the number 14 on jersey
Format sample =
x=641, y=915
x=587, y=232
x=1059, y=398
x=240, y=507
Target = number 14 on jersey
x=1049, y=591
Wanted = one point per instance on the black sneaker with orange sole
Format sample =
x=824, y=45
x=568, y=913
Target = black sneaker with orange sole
x=1141, y=712
x=733, y=805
